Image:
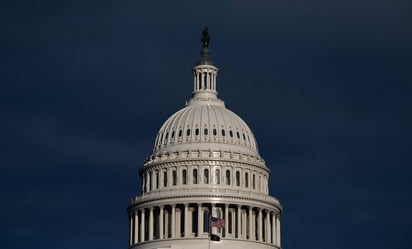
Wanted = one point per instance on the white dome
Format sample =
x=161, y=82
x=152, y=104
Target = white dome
x=205, y=124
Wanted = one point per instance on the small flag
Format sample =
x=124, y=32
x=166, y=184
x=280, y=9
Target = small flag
x=216, y=222
x=214, y=237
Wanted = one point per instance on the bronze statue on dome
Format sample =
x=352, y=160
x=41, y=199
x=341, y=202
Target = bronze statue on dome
x=205, y=38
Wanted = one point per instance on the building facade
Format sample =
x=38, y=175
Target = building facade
x=205, y=162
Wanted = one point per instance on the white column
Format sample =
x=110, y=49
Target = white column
x=136, y=227
x=211, y=214
x=274, y=228
x=260, y=225
x=151, y=223
x=267, y=227
x=166, y=221
x=278, y=230
x=169, y=177
x=199, y=220
x=186, y=219
x=161, y=222
x=173, y=221
x=131, y=230
x=214, y=81
x=154, y=174
x=160, y=178
x=251, y=235
x=244, y=221
x=142, y=225
x=226, y=220
x=239, y=229
x=147, y=182
x=254, y=215
x=194, y=81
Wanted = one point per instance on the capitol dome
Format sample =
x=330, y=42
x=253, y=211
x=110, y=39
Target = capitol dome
x=205, y=124
x=204, y=185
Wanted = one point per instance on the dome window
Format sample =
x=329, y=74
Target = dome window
x=195, y=176
x=173, y=134
x=214, y=132
x=157, y=179
x=174, y=178
x=205, y=131
x=165, y=178
x=237, y=134
x=254, y=181
x=180, y=133
x=188, y=132
x=227, y=177
x=246, y=180
x=217, y=176
x=244, y=138
x=230, y=133
x=197, y=132
x=184, y=177
x=206, y=176
x=237, y=178
x=167, y=135
x=223, y=133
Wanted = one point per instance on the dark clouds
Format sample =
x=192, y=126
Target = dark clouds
x=325, y=86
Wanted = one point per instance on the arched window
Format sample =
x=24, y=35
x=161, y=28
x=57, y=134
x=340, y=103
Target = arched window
x=206, y=176
x=237, y=135
x=197, y=131
x=173, y=134
x=246, y=180
x=184, y=177
x=205, y=131
x=227, y=177
x=237, y=178
x=188, y=132
x=260, y=183
x=223, y=133
x=157, y=179
x=165, y=178
x=174, y=177
x=195, y=176
x=230, y=133
x=217, y=176
x=180, y=133
x=214, y=132
x=254, y=181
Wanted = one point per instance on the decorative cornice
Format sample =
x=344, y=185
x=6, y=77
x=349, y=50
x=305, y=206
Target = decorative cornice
x=190, y=195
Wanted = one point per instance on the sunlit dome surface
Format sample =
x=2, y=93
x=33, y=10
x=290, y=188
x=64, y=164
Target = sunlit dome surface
x=205, y=125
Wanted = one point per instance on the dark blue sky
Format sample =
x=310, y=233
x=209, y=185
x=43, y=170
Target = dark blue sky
x=325, y=85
